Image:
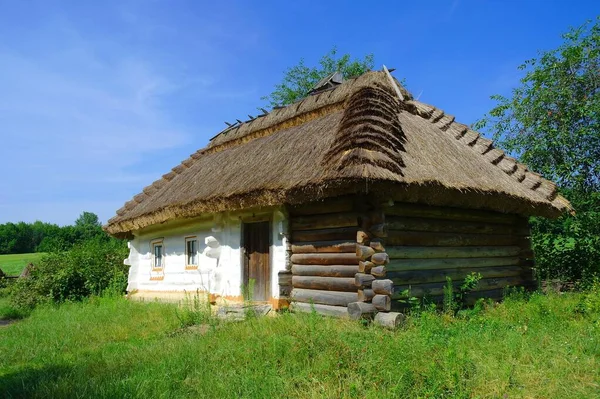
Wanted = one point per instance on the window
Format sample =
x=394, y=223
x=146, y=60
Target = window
x=158, y=261
x=191, y=252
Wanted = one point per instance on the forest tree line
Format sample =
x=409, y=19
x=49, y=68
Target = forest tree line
x=21, y=237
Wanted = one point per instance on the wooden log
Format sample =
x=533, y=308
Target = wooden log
x=342, y=233
x=365, y=266
x=325, y=310
x=452, y=226
x=459, y=273
x=325, y=270
x=285, y=291
x=450, y=252
x=449, y=263
x=339, y=204
x=448, y=213
x=325, y=283
x=361, y=310
x=377, y=245
x=382, y=302
x=436, y=239
x=325, y=259
x=391, y=320
x=334, y=298
x=365, y=294
x=285, y=277
x=324, y=247
x=363, y=252
x=368, y=220
x=383, y=287
x=378, y=271
x=324, y=221
x=379, y=230
x=363, y=279
x=381, y=258
x=362, y=237
x=435, y=289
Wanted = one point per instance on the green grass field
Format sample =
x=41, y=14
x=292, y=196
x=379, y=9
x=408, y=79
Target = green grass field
x=544, y=347
x=14, y=264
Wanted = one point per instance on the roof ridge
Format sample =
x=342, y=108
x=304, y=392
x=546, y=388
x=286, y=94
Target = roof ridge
x=485, y=147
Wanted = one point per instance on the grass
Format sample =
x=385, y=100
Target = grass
x=13, y=264
x=542, y=347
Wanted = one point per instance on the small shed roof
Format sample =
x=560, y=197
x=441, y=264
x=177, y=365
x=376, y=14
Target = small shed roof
x=357, y=137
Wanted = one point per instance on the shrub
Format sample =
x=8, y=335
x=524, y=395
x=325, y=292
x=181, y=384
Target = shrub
x=87, y=269
x=569, y=248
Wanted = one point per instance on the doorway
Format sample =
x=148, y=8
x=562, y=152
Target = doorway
x=257, y=270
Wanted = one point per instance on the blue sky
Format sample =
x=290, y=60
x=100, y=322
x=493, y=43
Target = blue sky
x=100, y=98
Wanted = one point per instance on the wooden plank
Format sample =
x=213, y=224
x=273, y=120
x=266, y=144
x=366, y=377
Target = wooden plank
x=325, y=283
x=334, y=298
x=432, y=276
x=449, y=263
x=325, y=310
x=447, y=213
x=325, y=259
x=325, y=270
x=342, y=233
x=339, y=246
x=339, y=204
x=435, y=239
x=324, y=221
x=397, y=252
x=452, y=226
x=435, y=289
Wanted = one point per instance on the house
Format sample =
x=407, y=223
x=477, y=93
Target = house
x=356, y=194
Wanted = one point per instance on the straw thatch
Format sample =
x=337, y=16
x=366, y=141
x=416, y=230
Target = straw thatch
x=358, y=137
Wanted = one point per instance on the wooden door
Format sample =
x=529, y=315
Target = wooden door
x=256, y=261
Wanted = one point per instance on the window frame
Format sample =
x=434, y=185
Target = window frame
x=153, y=245
x=190, y=266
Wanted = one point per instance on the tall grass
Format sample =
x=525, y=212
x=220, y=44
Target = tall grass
x=543, y=346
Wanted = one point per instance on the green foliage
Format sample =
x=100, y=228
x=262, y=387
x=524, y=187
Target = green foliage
x=300, y=79
x=569, y=248
x=589, y=303
x=21, y=238
x=454, y=301
x=540, y=347
x=552, y=123
x=195, y=310
x=87, y=269
x=552, y=120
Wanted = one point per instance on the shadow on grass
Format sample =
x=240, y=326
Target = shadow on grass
x=26, y=382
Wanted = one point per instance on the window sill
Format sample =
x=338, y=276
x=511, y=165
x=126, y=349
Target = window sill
x=158, y=269
x=191, y=267
x=157, y=278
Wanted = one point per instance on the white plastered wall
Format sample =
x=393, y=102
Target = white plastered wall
x=221, y=275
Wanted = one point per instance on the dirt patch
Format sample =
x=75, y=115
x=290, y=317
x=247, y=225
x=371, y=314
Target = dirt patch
x=4, y=323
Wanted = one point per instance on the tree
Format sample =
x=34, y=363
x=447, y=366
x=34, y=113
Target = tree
x=300, y=79
x=552, y=123
x=88, y=219
x=552, y=120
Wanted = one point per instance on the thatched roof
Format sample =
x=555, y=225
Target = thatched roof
x=358, y=137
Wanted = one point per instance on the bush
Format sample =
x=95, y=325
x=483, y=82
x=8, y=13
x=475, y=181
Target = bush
x=569, y=248
x=89, y=268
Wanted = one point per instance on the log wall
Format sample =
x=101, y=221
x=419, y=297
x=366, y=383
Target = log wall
x=323, y=255
x=337, y=261
x=427, y=244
